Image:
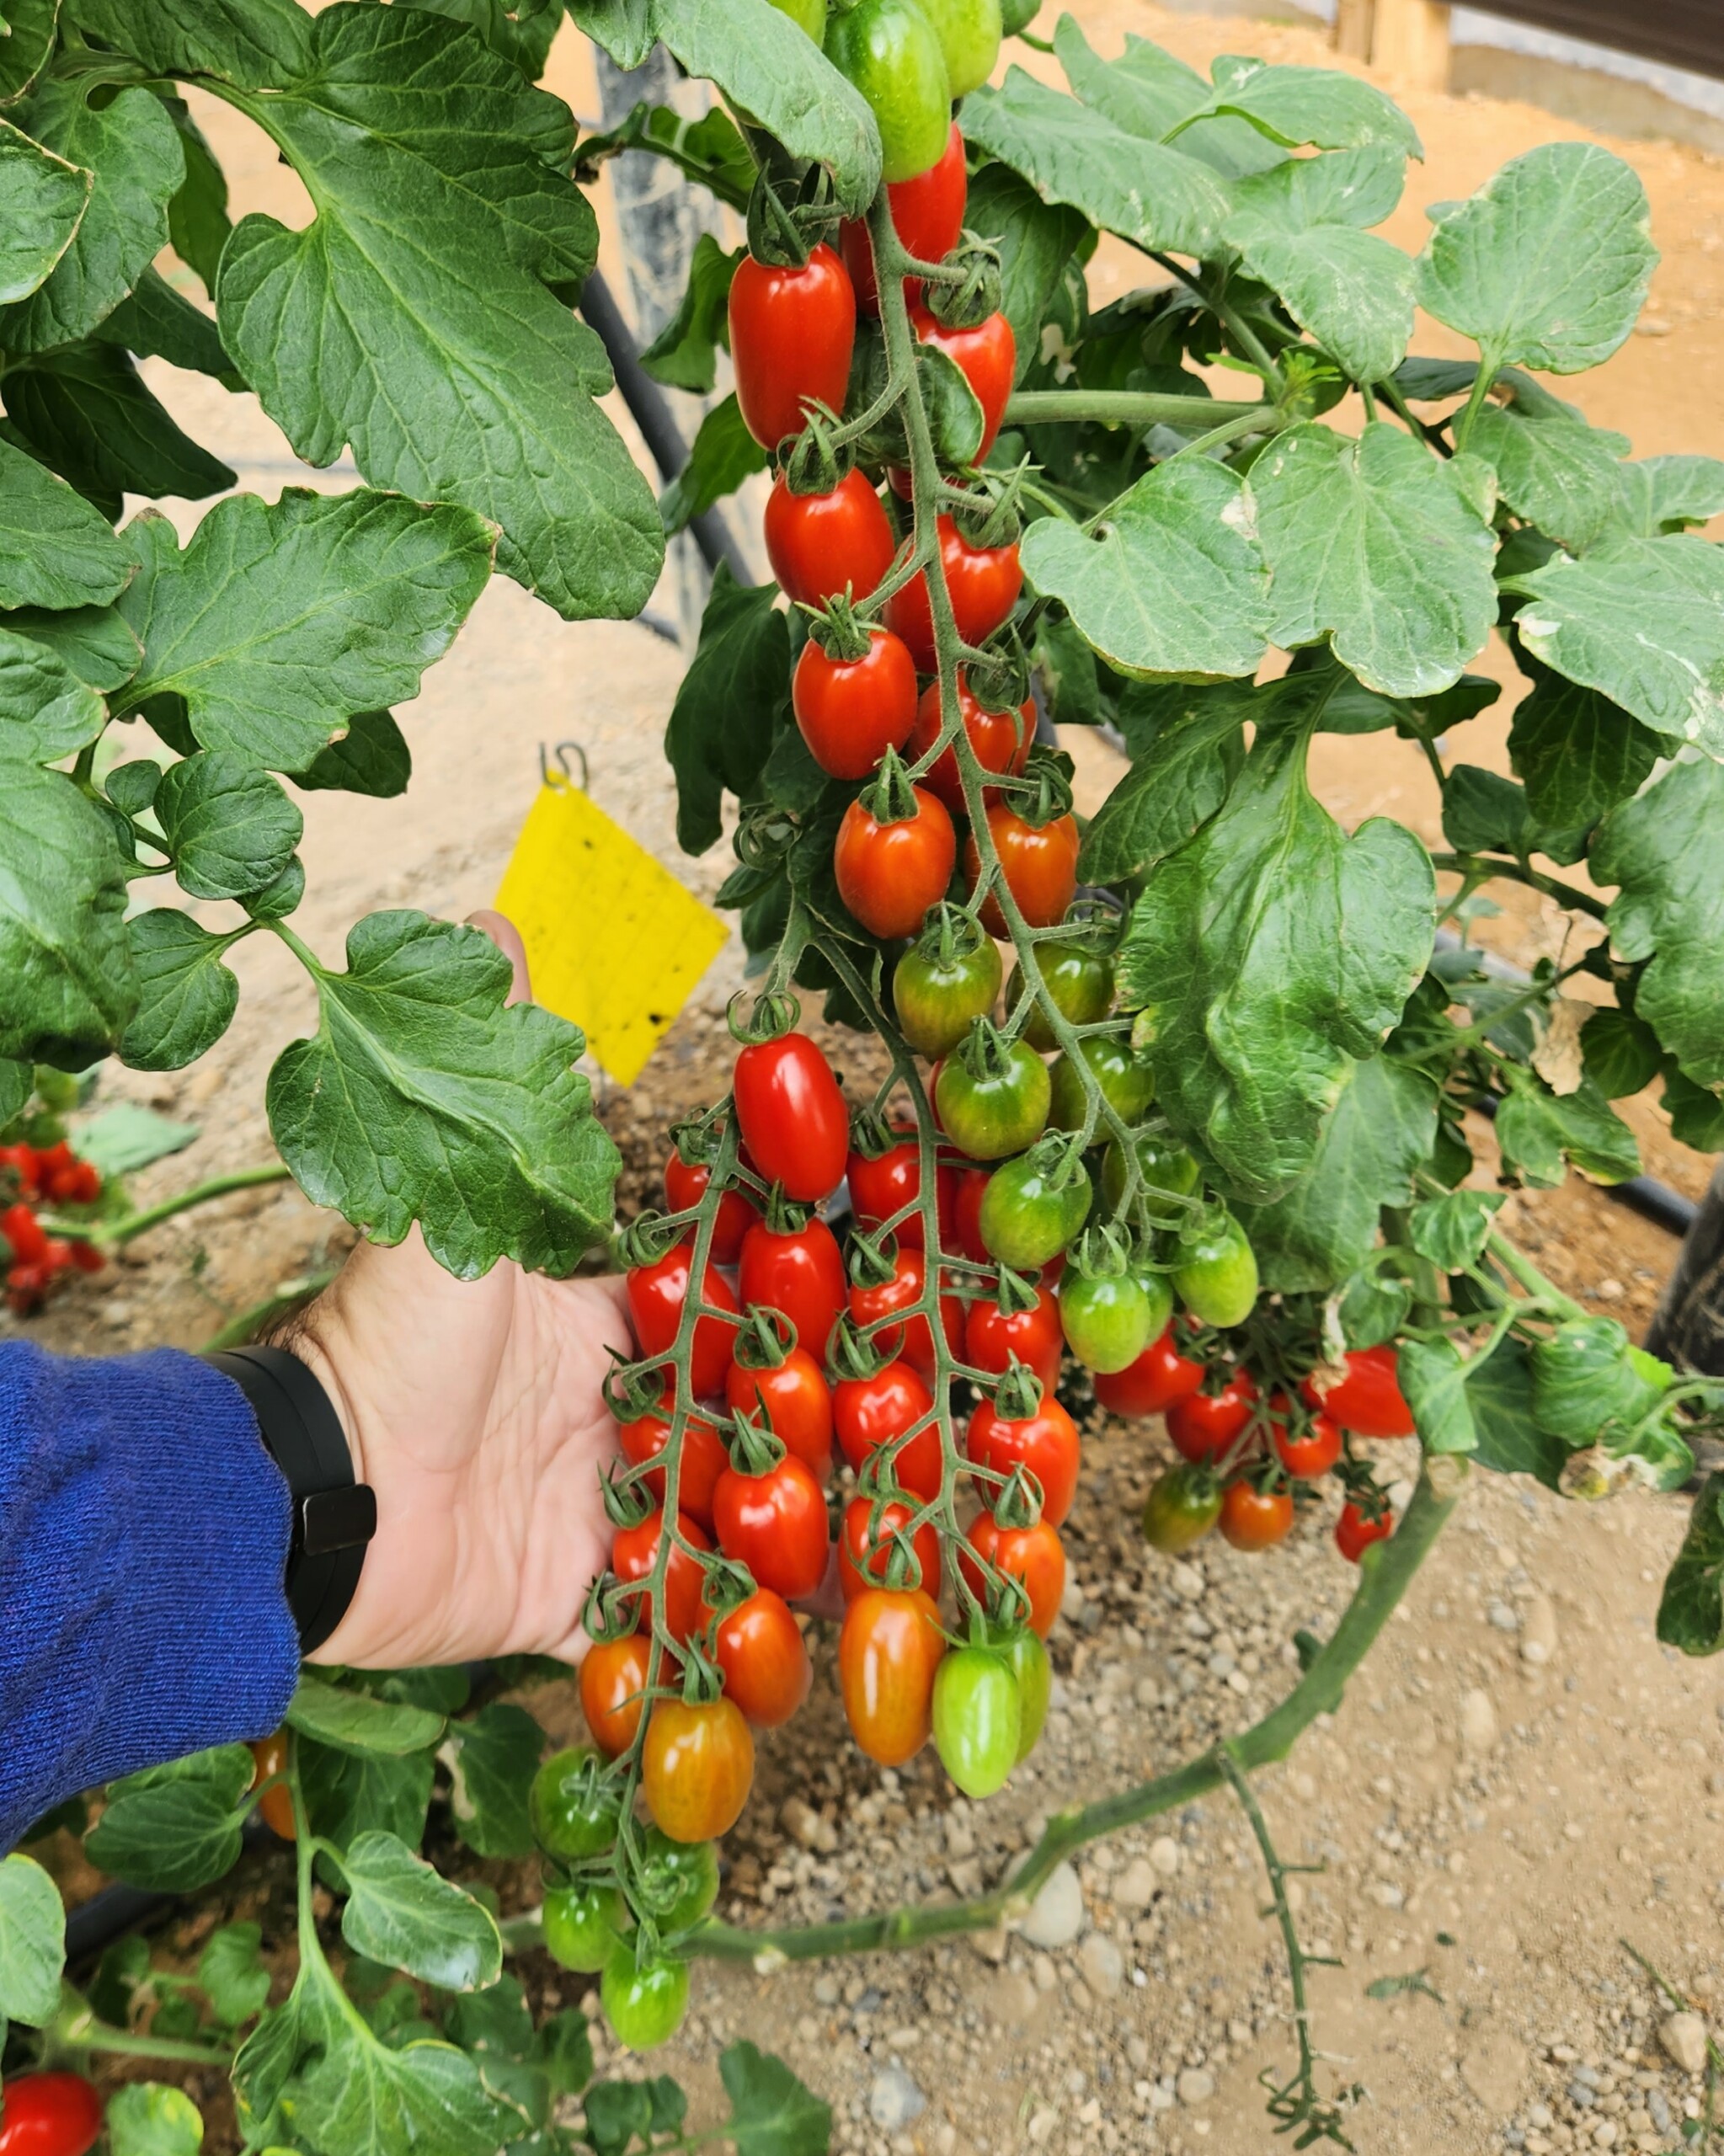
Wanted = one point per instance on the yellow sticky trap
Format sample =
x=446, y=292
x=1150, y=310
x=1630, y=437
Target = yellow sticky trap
x=614, y=941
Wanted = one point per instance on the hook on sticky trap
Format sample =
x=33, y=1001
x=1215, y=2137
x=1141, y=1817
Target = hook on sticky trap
x=562, y=775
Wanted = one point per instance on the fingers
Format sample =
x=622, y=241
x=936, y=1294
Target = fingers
x=504, y=933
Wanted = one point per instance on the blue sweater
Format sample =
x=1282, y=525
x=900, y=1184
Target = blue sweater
x=143, y=1535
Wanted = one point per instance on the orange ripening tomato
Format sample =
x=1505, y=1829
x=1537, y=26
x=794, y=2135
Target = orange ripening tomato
x=612, y=1687
x=766, y=1663
x=1040, y=867
x=888, y=1651
x=704, y=1459
x=890, y=874
x=1253, y=1519
x=635, y=1553
x=274, y=1805
x=1001, y=740
x=1034, y=1555
x=697, y=1766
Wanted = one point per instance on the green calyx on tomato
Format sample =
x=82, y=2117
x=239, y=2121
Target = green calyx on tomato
x=1127, y=1085
x=1035, y=1204
x=1080, y=982
x=1215, y=1273
x=572, y=1804
x=977, y=1719
x=582, y=1924
x=644, y=2002
x=1165, y=1171
x=891, y=52
x=992, y=1095
x=949, y=979
x=677, y=1882
x=1182, y=1506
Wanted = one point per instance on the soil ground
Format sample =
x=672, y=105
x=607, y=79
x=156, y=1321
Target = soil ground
x=1520, y=1779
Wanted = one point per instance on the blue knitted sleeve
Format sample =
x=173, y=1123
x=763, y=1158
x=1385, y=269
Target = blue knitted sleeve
x=143, y=1535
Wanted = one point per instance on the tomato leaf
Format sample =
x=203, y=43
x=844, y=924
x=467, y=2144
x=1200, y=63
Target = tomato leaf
x=1660, y=847
x=148, y=2118
x=1148, y=92
x=491, y=1761
x=232, y=1972
x=1317, y=106
x=256, y=44
x=46, y=711
x=1173, y=583
x=421, y=1097
x=372, y=758
x=54, y=549
x=1691, y=1609
x=186, y=997
x=1451, y=1230
x=1587, y=1380
x=279, y=621
x=31, y=24
x=71, y=990
x=709, y=150
x=422, y=2099
x=445, y=209
x=721, y=725
x=1482, y=811
x=1499, y=1391
x=176, y=1827
x=1621, y=1053
x=154, y=320
x=1540, y=1131
x=354, y=1721
x=93, y=641
x=1547, y=265
x=350, y=1793
x=772, y=2113
x=42, y=200
x=1552, y=467
x=1179, y=777
x=1382, y=546
x=1431, y=1374
x=86, y=413
x=1271, y=951
x=620, y=2112
x=198, y=223
x=125, y=1138
x=521, y=30
x=32, y=1942
x=399, y=1911
x=1661, y=493
x=724, y=454
x=1696, y=1116
x=1035, y=239
x=1578, y=755
x=684, y=352
x=229, y=827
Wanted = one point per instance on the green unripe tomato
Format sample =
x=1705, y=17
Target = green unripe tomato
x=581, y=1925
x=1162, y=1164
x=573, y=1812
x=1216, y=1275
x=891, y=52
x=1034, y=1673
x=1128, y=1086
x=56, y=1090
x=644, y=2007
x=1016, y=15
x=1026, y=1219
x=686, y=1874
x=1107, y=1318
x=935, y=1001
x=1080, y=982
x=810, y=15
x=997, y=1114
x=1182, y=1506
x=970, y=32
x=1159, y=1291
x=977, y=1719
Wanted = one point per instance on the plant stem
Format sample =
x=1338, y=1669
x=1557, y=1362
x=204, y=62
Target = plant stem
x=200, y=1193
x=1223, y=309
x=99, y=2036
x=1482, y=382
x=1518, y=872
x=1126, y=408
x=1523, y=1270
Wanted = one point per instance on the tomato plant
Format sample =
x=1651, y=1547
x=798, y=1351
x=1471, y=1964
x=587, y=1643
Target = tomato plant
x=1000, y=739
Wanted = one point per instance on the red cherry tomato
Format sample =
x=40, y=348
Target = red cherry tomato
x=1000, y=739
x=49, y=2114
x=87, y=1257
x=888, y=1651
x=984, y=582
x=1253, y=1519
x=790, y=1110
x=987, y=357
x=775, y=1524
x=991, y=1338
x=851, y=710
x=820, y=545
x=1368, y=1401
x=1040, y=867
x=704, y=1459
x=697, y=1766
x=766, y=1663
x=1307, y=1452
x=885, y=1184
x=1354, y=1534
x=87, y=1183
x=1204, y=1425
x=1150, y=1386
x=635, y=1552
x=865, y=1551
x=656, y=1294
x=612, y=1683
x=890, y=874
x=927, y=214
x=969, y=1186
x=791, y=334
x=913, y=1341
x=801, y=1274
x=869, y=1412
x=274, y=1809
x=795, y=1399
x=25, y=1233
x=1045, y=1443
x=26, y=1286
x=1035, y=1555
x=685, y=1187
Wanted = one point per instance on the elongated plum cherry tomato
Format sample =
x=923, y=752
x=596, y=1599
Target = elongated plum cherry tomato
x=1215, y=1275
x=969, y=1186
x=612, y=1687
x=913, y=1340
x=795, y=1400
x=634, y=1553
x=1368, y=1399
x=1204, y=1425
x=889, y=50
x=1080, y=982
x=1034, y=1556
x=865, y=1547
x=937, y=1000
x=869, y=1412
x=686, y=1185
x=1029, y=1659
x=927, y=214
x=1182, y=1506
x=697, y=1764
x=774, y=1524
x=820, y=545
x=977, y=1719
x=1031, y=1211
x=890, y=874
x=1043, y=1443
x=704, y=1459
x=969, y=31
x=645, y=2006
x=790, y=1110
x=809, y=16
x=656, y=1294
x=889, y=1649
x=1253, y=1519
x=1127, y=1085
x=1001, y=740
x=883, y=1184
x=851, y=710
x=997, y=1111
x=1306, y=1452
x=993, y=1336
x=49, y=2114
x=274, y=1805
x=987, y=355
x=791, y=334
x=1354, y=1534
x=800, y=1273
x=1150, y=1386
x=581, y=1926
x=1040, y=867
x=1107, y=1318
x=572, y=1811
x=984, y=582
x=766, y=1663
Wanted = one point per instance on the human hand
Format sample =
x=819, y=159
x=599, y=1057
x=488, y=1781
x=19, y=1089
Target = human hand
x=473, y=1410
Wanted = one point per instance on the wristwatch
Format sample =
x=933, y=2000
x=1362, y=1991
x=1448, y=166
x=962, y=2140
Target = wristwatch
x=334, y=1516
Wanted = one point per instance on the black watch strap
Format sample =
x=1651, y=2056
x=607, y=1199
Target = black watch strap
x=334, y=1516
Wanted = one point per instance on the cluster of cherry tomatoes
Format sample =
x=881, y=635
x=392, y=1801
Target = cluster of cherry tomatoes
x=32, y=1174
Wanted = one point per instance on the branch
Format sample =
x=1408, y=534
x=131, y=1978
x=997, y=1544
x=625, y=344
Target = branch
x=1128, y=407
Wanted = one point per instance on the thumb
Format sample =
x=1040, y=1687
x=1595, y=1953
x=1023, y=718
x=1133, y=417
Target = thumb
x=504, y=933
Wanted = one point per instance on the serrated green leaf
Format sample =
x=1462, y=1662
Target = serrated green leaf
x=1552, y=467
x=131, y=147
x=1547, y=265
x=278, y=621
x=1173, y=582
x=176, y=1827
x=1372, y=1307
x=444, y=207
x=421, y=1097
x=1661, y=492
x=723, y=454
x=772, y=2113
x=1691, y=1608
x=1179, y=777
x=684, y=352
x=491, y=1761
x=94, y=642
x=54, y=550
x=1270, y=951
x=63, y=954
x=229, y=828
x=1432, y=1378
x=521, y=30
x=1587, y=1380
x=42, y=198
x=232, y=1972
x=254, y=43
x=86, y=413
x=372, y=758
x=1578, y=755
x=399, y=1911
x=1664, y=849
x=154, y=320
x=25, y=52
x=32, y=1942
x=722, y=723
x=1035, y=241
x=1317, y=106
x=1148, y=93
x=1451, y=1230
x=1380, y=545
x=620, y=2112
x=1539, y=1130
x=1154, y=196
x=279, y=896
x=46, y=711
x=187, y=996
x=350, y=1793
x=1499, y=1391
x=124, y=1139
x=148, y=2118
x=355, y=1721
